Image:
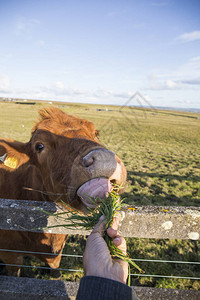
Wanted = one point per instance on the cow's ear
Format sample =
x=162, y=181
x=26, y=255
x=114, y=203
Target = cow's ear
x=12, y=154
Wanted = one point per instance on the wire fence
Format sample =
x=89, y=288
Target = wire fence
x=185, y=222
x=81, y=270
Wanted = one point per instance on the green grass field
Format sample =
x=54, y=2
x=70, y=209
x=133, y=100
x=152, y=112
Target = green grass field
x=161, y=152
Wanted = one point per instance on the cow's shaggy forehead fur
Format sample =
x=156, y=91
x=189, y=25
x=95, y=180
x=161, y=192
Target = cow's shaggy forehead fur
x=60, y=123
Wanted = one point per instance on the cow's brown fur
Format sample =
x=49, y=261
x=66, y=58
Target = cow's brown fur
x=54, y=170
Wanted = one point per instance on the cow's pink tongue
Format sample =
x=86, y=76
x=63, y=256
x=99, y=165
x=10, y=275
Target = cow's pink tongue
x=97, y=187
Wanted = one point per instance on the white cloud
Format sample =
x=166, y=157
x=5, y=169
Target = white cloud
x=153, y=76
x=58, y=88
x=178, y=84
x=41, y=43
x=148, y=98
x=184, y=77
x=187, y=102
x=4, y=83
x=190, y=36
x=190, y=70
x=25, y=26
x=196, y=59
x=35, y=21
x=59, y=85
x=171, y=84
x=5, y=58
x=58, y=91
x=165, y=84
x=101, y=96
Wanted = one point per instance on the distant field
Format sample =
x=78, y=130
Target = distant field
x=161, y=152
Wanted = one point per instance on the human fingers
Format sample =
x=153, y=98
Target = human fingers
x=100, y=226
x=115, y=223
x=112, y=231
x=120, y=242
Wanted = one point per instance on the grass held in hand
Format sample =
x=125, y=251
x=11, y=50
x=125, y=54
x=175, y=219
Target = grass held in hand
x=109, y=206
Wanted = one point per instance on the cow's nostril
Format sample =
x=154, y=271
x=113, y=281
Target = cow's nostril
x=99, y=163
x=87, y=161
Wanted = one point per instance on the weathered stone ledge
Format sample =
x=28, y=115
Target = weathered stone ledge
x=141, y=222
x=14, y=288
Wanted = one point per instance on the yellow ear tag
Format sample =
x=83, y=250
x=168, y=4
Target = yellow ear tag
x=11, y=162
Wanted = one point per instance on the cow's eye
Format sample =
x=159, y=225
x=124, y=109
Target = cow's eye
x=39, y=147
x=97, y=133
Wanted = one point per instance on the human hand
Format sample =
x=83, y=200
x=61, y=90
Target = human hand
x=97, y=260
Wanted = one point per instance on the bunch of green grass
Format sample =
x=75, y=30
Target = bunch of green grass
x=109, y=206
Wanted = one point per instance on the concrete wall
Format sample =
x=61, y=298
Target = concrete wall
x=142, y=222
x=13, y=288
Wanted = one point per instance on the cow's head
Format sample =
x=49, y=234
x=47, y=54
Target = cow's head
x=74, y=166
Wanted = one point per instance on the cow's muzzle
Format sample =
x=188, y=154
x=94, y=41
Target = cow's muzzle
x=103, y=168
x=100, y=163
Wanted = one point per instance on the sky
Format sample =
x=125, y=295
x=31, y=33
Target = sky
x=101, y=51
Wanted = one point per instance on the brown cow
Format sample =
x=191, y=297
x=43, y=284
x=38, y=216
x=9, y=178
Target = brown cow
x=63, y=157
